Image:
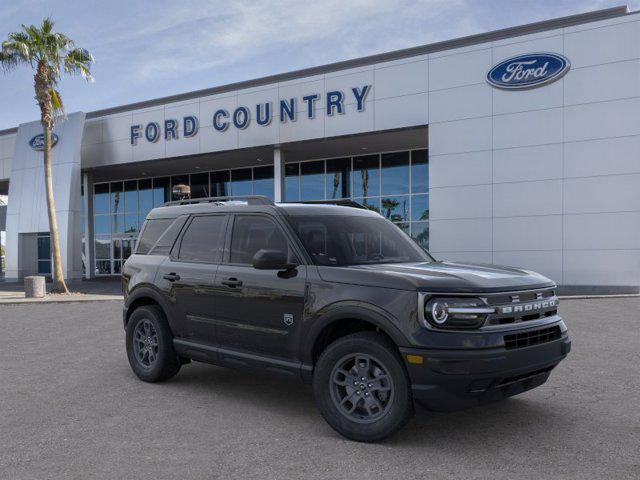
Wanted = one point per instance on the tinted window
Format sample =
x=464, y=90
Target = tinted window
x=253, y=233
x=151, y=233
x=168, y=238
x=204, y=239
x=338, y=240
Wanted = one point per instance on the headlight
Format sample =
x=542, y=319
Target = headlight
x=456, y=312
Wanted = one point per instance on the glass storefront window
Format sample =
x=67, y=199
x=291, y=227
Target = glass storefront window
x=395, y=209
x=404, y=227
x=102, y=224
x=145, y=198
x=161, y=191
x=292, y=182
x=116, y=197
x=116, y=244
x=44, y=253
x=312, y=180
x=419, y=171
x=419, y=207
x=131, y=223
x=178, y=180
x=395, y=173
x=199, y=185
x=102, y=249
x=370, y=203
x=241, y=182
x=394, y=184
x=366, y=176
x=131, y=196
x=101, y=198
x=103, y=267
x=117, y=223
x=127, y=247
x=420, y=233
x=220, y=184
x=263, y=181
x=338, y=180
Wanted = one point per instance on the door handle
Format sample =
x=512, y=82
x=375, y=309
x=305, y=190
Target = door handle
x=232, y=282
x=172, y=277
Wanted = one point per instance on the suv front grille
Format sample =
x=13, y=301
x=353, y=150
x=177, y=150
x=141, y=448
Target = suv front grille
x=535, y=337
x=519, y=307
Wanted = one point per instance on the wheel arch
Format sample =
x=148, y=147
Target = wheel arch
x=341, y=320
x=144, y=295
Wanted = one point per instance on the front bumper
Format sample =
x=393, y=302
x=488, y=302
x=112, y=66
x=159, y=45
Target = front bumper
x=454, y=379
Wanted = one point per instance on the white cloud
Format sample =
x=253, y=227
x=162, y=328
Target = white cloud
x=200, y=35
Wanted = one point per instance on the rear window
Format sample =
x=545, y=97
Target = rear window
x=204, y=239
x=168, y=238
x=153, y=230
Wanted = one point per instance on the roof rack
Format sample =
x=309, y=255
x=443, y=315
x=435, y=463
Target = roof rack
x=250, y=199
x=341, y=203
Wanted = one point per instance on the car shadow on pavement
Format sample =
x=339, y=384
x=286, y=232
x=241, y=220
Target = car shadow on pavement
x=508, y=421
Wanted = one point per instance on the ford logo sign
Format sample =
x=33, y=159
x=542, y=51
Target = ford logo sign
x=528, y=71
x=37, y=142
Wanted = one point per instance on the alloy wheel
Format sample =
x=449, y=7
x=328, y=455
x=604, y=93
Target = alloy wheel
x=361, y=388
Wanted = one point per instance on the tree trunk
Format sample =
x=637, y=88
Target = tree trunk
x=42, y=85
x=59, y=285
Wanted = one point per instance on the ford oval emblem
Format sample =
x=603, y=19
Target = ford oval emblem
x=528, y=71
x=37, y=142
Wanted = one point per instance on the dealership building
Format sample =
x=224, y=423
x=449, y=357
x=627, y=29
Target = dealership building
x=517, y=147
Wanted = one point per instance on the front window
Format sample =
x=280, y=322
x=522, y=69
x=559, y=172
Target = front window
x=336, y=240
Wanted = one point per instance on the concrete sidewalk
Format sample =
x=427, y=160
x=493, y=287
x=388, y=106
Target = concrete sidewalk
x=81, y=291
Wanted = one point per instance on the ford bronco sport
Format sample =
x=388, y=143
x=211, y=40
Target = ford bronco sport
x=339, y=297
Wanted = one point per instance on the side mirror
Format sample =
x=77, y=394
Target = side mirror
x=271, y=260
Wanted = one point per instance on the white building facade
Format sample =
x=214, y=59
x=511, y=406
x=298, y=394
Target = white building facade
x=533, y=163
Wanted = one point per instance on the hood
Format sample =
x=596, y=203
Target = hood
x=438, y=277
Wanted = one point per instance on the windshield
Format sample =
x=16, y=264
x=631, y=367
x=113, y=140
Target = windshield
x=337, y=240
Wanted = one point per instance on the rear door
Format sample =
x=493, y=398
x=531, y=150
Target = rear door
x=187, y=275
x=259, y=310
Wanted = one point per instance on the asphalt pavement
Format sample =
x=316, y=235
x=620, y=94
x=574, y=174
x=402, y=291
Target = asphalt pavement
x=70, y=408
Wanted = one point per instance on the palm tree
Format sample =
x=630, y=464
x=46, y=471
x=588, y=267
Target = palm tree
x=49, y=54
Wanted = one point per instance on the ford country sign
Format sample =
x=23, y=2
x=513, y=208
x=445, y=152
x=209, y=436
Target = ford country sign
x=528, y=71
x=37, y=142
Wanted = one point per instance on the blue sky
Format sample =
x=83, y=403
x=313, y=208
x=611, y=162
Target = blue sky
x=149, y=49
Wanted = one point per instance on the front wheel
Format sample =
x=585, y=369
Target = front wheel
x=362, y=388
x=150, y=345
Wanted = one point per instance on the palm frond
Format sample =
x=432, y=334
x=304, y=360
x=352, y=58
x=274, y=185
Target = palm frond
x=49, y=53
x=47, y=25
x=56, y=101
x=78, y=62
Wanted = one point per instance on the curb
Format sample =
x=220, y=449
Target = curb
x=30, y=301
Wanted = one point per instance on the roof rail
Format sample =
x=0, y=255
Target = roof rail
x=341, y=203
x=250, y=199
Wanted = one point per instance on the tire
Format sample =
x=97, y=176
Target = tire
x=150, y=345
x=382, y=406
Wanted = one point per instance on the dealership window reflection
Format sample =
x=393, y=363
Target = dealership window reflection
x=395, y=184
x=120, y=208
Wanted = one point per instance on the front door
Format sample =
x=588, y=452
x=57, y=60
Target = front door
x=258, y=311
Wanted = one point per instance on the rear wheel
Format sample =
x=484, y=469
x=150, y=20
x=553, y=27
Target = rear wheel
x=150, y=345
x=362, y=388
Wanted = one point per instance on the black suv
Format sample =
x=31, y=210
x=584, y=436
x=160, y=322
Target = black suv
x=339, y=297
